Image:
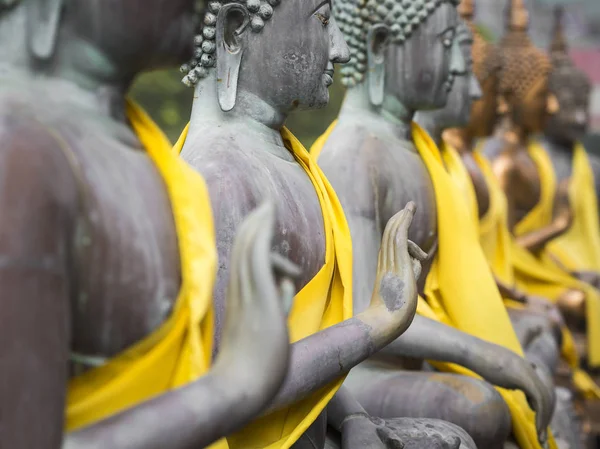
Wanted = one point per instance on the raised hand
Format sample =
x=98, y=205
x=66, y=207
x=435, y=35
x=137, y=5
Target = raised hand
x=255, y=340
x=398, y=269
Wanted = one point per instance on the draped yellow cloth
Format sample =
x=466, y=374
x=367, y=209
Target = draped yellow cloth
x=180, y=350
x=460, y=290
x=514, y=265
x=460, y=286
x=579, y=247
x=325, y=301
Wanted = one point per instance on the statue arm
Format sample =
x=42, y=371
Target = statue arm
x=537, y=240
x=431, y=340
x=510, y=292
x=247, y=373
x=323, y=357
x=35, y=225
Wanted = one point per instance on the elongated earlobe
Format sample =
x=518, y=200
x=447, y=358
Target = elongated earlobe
x=232, y=24
x=43, y=23
x=377, y=38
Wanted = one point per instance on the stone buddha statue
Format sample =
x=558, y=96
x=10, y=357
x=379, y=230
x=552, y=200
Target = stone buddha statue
x=538, y=327
x=371, y=158
x=536, y=320
x=566, y=167
x=107, y=261
x=255, y=63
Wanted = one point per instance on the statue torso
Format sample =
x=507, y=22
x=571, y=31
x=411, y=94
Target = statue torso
x=376, y=175
x=125, y=272
x=482, y=192
x=241, y=174
x=518, y=174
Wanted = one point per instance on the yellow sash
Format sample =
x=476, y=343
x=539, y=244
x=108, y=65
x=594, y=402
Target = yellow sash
x=325, y=301
x=459, y=174
x=180, y=350
x=514, y=265
x=461, y=285
x=576, y=246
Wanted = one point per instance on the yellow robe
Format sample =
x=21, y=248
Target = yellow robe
x=325, y=301
x=514, y=265
x=579, y=247
x=460, y=290
x=179, y=351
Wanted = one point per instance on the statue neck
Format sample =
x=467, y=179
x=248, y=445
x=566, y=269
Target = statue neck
x=251, y=117
x=396, y=117
x=513, y=133
x=460, y=139
x=75, y=60
x=432, y=126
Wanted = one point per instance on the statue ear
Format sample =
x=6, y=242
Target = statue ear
x=232, y=24
x=43, y=20
x=552, y=104
x=377, y=40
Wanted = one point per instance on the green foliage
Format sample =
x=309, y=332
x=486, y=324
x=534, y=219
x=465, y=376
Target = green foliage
x=169, y=103
x=485, y=32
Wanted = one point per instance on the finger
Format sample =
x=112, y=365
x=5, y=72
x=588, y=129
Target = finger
x=262, y=222
x=433, y=250
x=410, y=210
x=385, y=241
x=284, y=267
x=417, y=269
x=287, y=292
x=401, y=253
x=416, y=252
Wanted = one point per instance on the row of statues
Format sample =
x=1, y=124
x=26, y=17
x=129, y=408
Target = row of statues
x=414, y=281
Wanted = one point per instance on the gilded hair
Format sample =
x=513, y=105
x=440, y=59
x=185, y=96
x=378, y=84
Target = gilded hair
x=523, y=65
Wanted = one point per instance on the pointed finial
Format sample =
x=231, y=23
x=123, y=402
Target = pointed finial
x=559, y=41
x=466, y=9
x=517, y=16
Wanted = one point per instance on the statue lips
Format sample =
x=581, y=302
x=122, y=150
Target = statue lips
x=328, y=75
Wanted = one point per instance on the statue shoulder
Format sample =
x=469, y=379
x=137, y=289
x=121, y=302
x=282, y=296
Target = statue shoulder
x=32, y=149
x=351, y=150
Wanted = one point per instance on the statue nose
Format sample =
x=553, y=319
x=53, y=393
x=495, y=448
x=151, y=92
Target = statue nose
x=340, y=53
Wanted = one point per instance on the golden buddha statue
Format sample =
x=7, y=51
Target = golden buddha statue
x=537, y=213
x=520, y=276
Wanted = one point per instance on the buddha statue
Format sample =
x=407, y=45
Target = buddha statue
x=536, y=320
x=255, y=63
x=371, y=156
x=541, y=210
x=108, y=260
x=535, y=333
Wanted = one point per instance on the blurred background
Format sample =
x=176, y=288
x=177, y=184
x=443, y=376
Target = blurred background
x=169, y=101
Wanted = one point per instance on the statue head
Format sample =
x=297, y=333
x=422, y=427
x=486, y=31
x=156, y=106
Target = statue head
x=404, y=50
x=129, y=34
x=524, y=73
x=486, y=68
x=572, y=88
x=465, y=90
x=281, y=52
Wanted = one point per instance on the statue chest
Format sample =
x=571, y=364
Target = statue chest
x=526, y=184
x=407, y=179
x=126, y=270
x=480, y=185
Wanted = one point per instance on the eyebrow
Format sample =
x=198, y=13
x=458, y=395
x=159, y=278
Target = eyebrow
x=324, y=2
x=450, y=28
